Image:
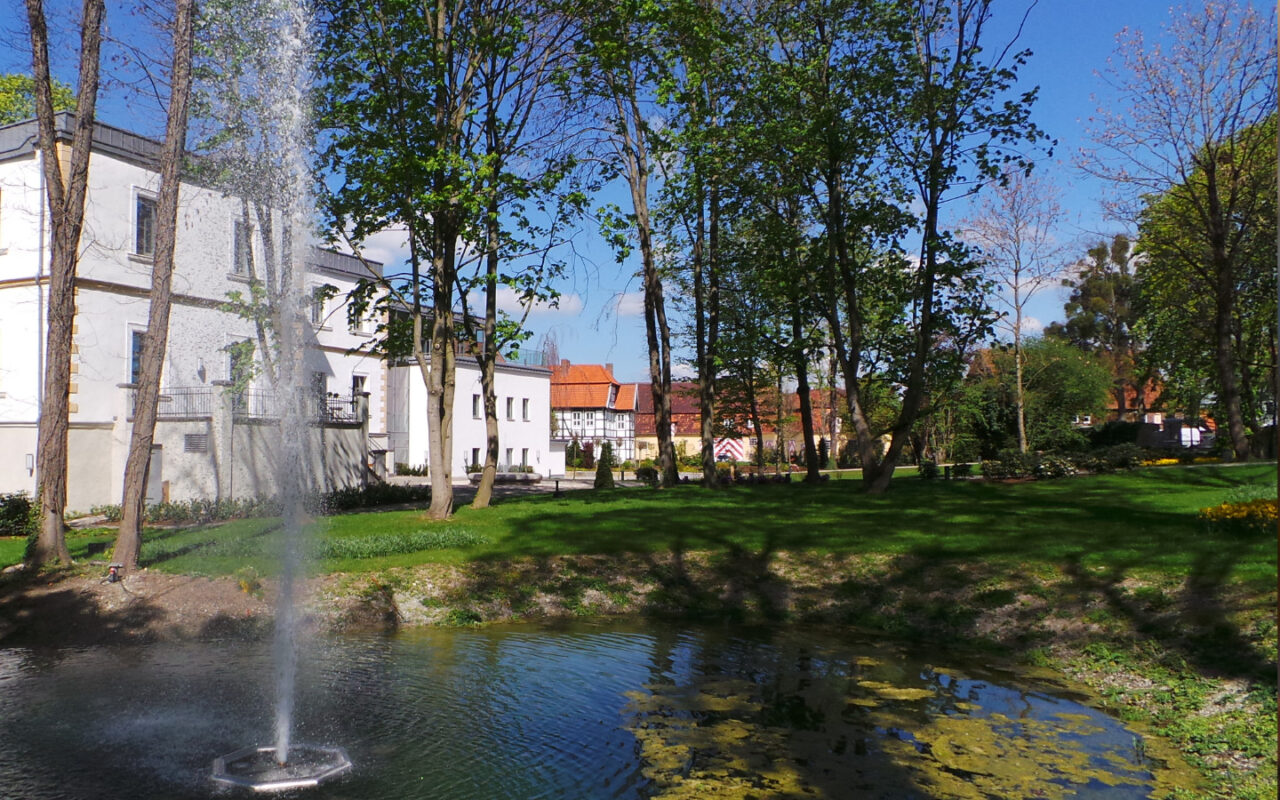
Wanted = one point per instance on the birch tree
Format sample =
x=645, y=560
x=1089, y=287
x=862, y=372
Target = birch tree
x=1014, y=228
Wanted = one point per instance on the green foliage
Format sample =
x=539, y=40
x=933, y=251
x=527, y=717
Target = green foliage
x=1181, y=294
x=606, y=454
x=377, y=545
x=408, y=469
x=1061, y=382
x=203, y=512
x=928, y=470
x=17, y=98
x=648, y=474
x=16, y=514
x=604, y=475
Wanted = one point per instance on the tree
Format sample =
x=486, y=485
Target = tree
x=397, y=90
x=1014, y=229
x=952, y=128
x=1176, y=294
x=1062, y=383
x=1101, y=314
x=154, y=344
x=1187, y=128
x=604, y=467
x=524, y=172
x=18, y=97
x=622, y=67
x=65, y=193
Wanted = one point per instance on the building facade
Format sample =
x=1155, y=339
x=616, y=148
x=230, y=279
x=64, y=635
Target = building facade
x=591, y=407
x=524, y=415
x=217, y=407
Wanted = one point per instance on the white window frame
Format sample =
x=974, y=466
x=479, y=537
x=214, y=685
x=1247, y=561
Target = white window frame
x=241, y=246
x=141, y=197
x=131, y=331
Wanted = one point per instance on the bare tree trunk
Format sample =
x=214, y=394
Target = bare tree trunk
x=488, y=360
x=65, y=195
x=155, y=343
x=806, y=401
x=1020, y=402
x=440, y=385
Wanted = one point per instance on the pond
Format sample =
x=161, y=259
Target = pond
x=578, y=711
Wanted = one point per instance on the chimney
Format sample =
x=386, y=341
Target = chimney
x=609, y=369
x=564, y=363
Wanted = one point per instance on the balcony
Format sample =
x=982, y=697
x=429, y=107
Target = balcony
x=199, y=402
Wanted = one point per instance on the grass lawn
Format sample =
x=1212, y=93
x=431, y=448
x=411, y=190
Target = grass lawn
x=1112, y=579
x=1138, y=522
x=12, y=549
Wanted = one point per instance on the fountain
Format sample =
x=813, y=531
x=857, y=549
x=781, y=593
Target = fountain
x=285, y=189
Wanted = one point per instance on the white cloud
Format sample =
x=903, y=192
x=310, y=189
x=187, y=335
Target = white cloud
x=390, y=246
x=628, y=304
x=568, y=305
x=1031, y=326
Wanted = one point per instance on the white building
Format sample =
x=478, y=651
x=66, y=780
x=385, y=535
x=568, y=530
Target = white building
x=524, y=418
x=212, y=438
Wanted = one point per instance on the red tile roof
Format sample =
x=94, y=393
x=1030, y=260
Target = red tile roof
x=589, y=386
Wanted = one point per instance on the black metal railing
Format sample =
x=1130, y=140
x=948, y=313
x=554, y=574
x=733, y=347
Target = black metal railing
x=199, y=402
x=179, y=403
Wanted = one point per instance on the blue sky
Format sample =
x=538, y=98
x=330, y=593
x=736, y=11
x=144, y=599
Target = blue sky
x=599, y=319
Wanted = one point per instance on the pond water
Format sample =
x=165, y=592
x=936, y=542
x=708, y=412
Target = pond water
x=581, y=711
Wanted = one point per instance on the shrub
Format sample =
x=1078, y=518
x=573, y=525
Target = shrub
x=604, y=475
x=647, y=473
x=962, y=470
x=111, y=512
x=689, y=460
x=1050, y=466
x=928, y=470
x=1010, y=464
x=16, y=514
x=408, y=469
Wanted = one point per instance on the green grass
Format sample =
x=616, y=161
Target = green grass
x=1139, y=522
x=12, y=549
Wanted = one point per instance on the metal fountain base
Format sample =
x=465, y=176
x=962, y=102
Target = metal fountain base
x=256, y=768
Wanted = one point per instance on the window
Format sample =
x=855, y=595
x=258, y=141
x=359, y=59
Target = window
x=475, y=456
x=508, y=456
x=577, y=417
x=357, y=385
x=591, y=418
x=524, y=456
x=242, y=248
x=475, y=406
x=524, y=409
x=135, y=354
x=144, y=226
x=317, y=305
x=511, y=408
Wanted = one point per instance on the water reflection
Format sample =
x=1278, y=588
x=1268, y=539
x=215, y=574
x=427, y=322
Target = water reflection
x=588, y=711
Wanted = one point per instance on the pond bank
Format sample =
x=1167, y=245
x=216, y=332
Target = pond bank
x=1191, y=660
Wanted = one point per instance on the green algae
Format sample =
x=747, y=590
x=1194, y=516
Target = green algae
x=885, y=731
